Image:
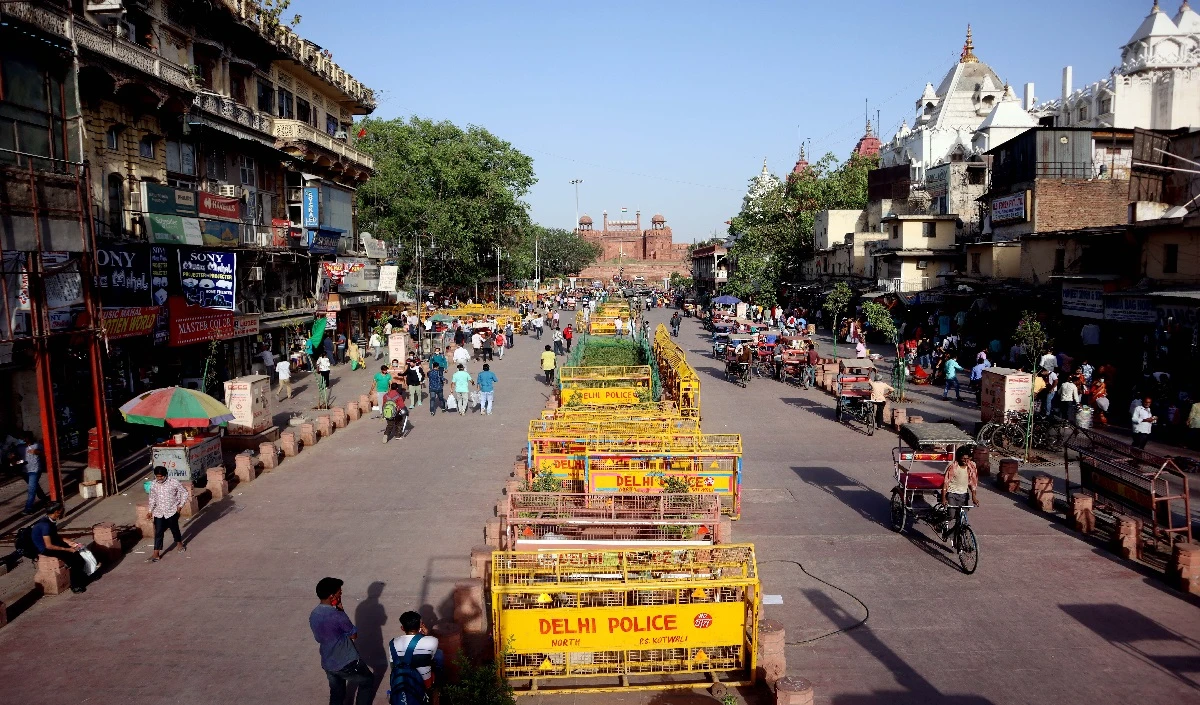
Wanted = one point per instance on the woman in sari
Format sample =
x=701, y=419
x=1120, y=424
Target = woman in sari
x=1099, y=401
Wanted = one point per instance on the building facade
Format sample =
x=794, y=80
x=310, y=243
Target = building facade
x=625, y=240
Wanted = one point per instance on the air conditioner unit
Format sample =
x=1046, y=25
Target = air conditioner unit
x=279, y=302
x=229, y=190
x=255, y=274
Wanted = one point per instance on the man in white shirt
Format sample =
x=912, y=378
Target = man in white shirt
x=476, y=344
x=1142, y=419
x=538, y=322
x=1068, y=396
x=461, y=356
x=283, y=368
x=376, y=344
x=1048, y=362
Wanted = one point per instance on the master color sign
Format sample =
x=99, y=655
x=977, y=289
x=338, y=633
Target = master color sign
x=623, y=628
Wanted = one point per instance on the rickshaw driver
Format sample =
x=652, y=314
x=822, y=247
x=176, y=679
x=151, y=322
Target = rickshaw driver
x=960, y=483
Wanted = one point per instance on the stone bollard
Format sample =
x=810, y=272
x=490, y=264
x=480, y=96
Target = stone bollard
x=52, y=575
x=108, y=541
x=288, y=444
x=491, y=533
x=916, y=419
x=983, y=461
x=308, y=434
x=1009, y=479
x=269, y=455
x=772, y=661
x=1041, y=494
x=1184, y=568
x=339, y=417
x=792, y=690
x=519, y=470
x=1083, y=514
x=449, y=636
x=353, y=412
x=481, y=562
x=324, y=426
x=724, y=531
x=899, y=417
x=512, y=486
x=469, y=609
x=1127, y=541
x=143, y=520
x=216, y=483
x=364, y=403
x=244, y=467
x=192, y=508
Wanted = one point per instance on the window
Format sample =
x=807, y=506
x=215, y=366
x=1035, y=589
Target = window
x=286, y=107
x=922, y=264
x=1060, y=261
x=237, y=87
x=975, y=258
x=116, y=203
x=929, y=229
x=895, y=231
x=214, y=165
x=112, y=138
x=1106, y=105
x=1170, y=259
x=331, y=125
x=1083, y=113
x=303, y=111
x=176, y=182
x=266, y=95
x=181, y=158
x=146, y=147
x=32, y=114
x=247, y=171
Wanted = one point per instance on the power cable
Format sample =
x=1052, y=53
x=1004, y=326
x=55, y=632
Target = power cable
x=845, y=592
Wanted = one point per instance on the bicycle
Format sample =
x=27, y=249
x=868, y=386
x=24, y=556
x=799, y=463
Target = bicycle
x=958, y=534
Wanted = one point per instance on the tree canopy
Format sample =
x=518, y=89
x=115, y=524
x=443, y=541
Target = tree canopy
x=459, y=190
x=561, y=253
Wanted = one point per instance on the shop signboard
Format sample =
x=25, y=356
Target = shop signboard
x=1185, y=314
x=246, y=324
x=365, y=278
x=129, y=321
x=312, y=208
x=1129, y=309
x=324, y=242
x=937, y=180
x=285, y=322
x=173, y=229
x=388, y=274
x=375, y=249
x=1083, y=300
x=207, y=277
x=211, y=205
x=361, y=300
x=166, y=200
x=189, y=461
x=195, y=324
x=397, y=346
x=221, y=233
x=123, y=275
x=249, y=400
x=1009, y=209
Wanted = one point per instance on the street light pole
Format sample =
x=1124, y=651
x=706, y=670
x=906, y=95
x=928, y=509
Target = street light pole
x=575, y=183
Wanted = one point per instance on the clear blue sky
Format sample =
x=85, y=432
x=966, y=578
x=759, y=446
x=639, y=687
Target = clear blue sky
x=671, y=106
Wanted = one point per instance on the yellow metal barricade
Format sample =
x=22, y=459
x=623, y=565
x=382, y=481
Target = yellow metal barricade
x=679, y=381
x=585, y=621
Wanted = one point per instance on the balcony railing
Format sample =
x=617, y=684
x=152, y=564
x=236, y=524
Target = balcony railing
x=900, y=286
x=233, y=111
x=126, y=52
x=297, y=131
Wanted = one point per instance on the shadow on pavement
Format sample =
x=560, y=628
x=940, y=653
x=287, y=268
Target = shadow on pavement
x=1122, y=626
x=825, y=411
x=370, y=618
x=867, y=502
x=207, y=517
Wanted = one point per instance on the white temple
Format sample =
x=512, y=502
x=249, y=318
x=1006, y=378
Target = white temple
x=762, y=184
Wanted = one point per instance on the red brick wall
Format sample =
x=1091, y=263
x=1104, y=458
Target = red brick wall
x=1066, y=204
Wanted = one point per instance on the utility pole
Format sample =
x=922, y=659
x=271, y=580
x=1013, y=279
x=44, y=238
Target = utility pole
x=575, y=183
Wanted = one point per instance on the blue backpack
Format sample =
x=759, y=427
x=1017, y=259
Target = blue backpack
x=406, y=686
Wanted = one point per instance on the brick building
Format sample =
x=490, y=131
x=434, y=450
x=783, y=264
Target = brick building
x=625, y=240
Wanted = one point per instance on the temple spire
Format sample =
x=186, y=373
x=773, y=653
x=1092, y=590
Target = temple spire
x=968, y=52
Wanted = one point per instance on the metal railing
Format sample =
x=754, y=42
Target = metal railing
x=297, y=131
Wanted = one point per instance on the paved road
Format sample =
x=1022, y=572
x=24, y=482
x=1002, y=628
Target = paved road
x=1048, y=617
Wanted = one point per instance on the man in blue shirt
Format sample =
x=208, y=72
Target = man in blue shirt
x=487, y=387
x=437, y=381
x=47, y=542
x=339, y=657
x=977, y=378
x=951, y=369
x=438, y=359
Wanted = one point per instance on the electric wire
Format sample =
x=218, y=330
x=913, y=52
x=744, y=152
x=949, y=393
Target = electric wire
x=847, y=593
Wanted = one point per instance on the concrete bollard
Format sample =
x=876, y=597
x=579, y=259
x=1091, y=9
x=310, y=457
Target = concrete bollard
x=792, y=690
x=52, y=575
x=143, y=520
x=1184, y=569
x=324, y=426
x=519, y=470
x=338, y=415
x=983, y=461
x=724, y=531
x=491, y=533
x=1127, y=541
x=1083, y=514
x=449, y=636
x=469, y=609
x=269, y=455
x=192, y=507
x=1041, y=494
x=289, y=444
x=108, y=541
x=1009, y=480
x=364, y=404
x=772, y=659
x=216, y=483
x=308, y=434
x=245, y=468
x=481, y=562
x=353, y=412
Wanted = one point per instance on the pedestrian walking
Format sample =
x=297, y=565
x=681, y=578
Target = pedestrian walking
x=28, y=457
x=438, y=359
x=335, y=633
x=500, y=342
x=558, y=342
x=476, y=345
x=1068, y=396
x=488, y=341
x=675, y=321
x=413, y=377
x=556, y=320
x=283, y=370
x=486, y=381
x=341, y=348
x=395, y=413
x=376, y=345
x=951, y=369
x=323, y=365
x=461, y=356
x=167, y=497
x=437, y=380
x=538, y=323
x=460, y=336
x=568, y=335
x=381, y=382
x=462, y=385
x=1142, y=419
x=548, y=365
x=327, y=347
x=509, y=334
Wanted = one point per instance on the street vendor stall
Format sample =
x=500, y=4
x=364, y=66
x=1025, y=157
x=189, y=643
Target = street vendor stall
x=189, y=452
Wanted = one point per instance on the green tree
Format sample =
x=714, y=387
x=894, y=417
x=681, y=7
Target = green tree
x=679, y=282
x=835, y=303
x=1032, y=336
x=458, y=190
x=881, y=320
x=561, y=253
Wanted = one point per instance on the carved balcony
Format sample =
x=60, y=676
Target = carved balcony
x=295, y=132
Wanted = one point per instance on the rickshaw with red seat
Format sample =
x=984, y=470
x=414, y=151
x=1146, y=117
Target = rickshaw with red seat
x=920, y=459
x=854, y=392
x=764, y=358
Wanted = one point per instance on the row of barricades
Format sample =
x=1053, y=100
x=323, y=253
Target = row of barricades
x=680, y=382
x=604, y=385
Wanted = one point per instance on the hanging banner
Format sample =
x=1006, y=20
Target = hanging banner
x=221, y=233
x=64, y=292
x=129, y=321
x=324, y=242
x=1009, y=209
x=1130, y=309
x=312, y=208
x=388, y=274
x=207, y=277
x=375, y=249
x=1083, y=300
x=246, y=324
x=194, y=324
x=16, y=280
x=173, y=230
x=123, y=275
x=160, y=274
x=213, y=206
x=157, y=198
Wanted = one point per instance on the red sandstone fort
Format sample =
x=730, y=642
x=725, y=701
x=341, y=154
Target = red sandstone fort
x=624, y=245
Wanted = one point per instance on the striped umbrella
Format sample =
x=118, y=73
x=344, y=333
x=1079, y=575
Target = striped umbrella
x=176, y=407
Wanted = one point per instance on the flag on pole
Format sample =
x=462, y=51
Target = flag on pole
x=624, y=210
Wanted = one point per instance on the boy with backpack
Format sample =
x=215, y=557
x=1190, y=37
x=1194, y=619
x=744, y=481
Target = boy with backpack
x=395, y=412
x=416, y=662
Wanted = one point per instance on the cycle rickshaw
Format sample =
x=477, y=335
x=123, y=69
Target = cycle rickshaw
x=854, y=392
x=739, y=355
x=920, y=470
